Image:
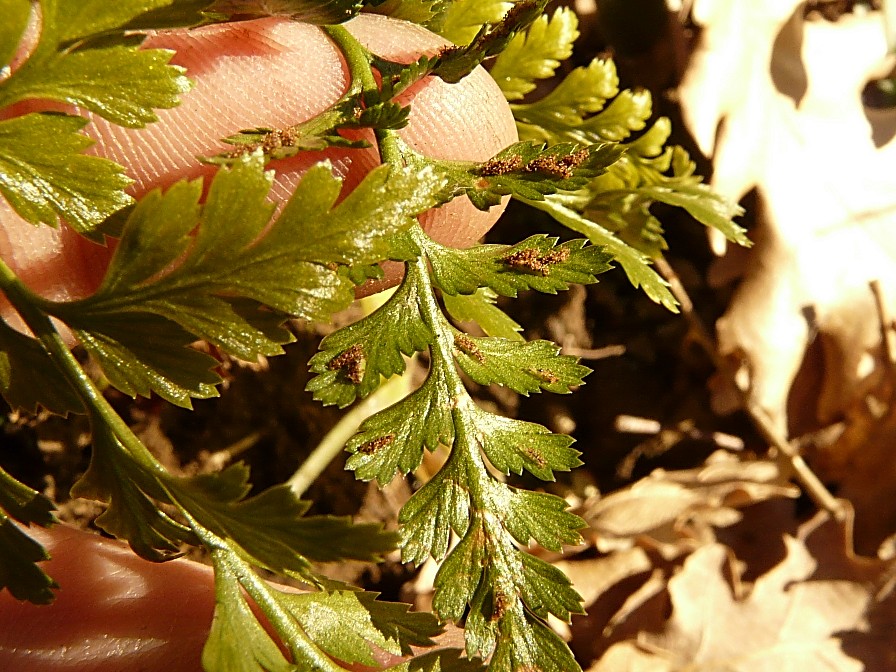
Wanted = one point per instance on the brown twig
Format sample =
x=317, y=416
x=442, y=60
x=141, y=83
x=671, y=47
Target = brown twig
x=886, y=325
x=594, y=353
x=664, y=439
x=218, y=459
x=807, y=478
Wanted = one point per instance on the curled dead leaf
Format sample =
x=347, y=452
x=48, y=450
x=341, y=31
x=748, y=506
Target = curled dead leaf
x=821, y=608
x=676, y=511
x=776, y=100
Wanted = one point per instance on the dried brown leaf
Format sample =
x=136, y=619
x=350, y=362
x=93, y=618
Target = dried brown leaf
x=860, y=461
x=734, y=481
x=821, y=608
x=650, y=589
x=632, y=657
x=831, y=544
x=786, y=621
x=623, y=592
x=594, y=576
x=675, y=511
x=784, y=94
x=650, y=504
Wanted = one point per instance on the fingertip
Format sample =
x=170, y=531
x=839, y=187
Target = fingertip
x=274, y=73
x=113, y=611
x=277, y=73
x=268, y=72
x=467, y=121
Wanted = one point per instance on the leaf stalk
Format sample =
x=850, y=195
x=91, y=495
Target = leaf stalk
x=26, y=304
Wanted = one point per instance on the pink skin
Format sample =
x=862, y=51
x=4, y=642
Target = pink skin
x=271, y=73
x=115, y=611
x=118, y=612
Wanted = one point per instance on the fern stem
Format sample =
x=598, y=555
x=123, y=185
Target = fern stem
x=358, y=59
x=226, y=561
x=432, y=314
x=26, y=305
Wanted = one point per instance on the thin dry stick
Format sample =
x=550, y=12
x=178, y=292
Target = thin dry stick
x=807, y=479
x=220, y=458
x=594, y=353
x=886, y=324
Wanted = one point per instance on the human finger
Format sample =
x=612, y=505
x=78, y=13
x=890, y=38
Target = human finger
x=115, y=611
x=274, y=73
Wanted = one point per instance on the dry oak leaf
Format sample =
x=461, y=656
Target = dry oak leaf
x=613, y=587
x=675, y=511
x=796, y=617
x=785, y=624
x=632, y=657
x=592, y=577
x=776, y=101
x=860, y=461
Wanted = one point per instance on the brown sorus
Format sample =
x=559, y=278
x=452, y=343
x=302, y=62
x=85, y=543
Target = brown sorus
x=468, y=346
x=558, y=166
x=369, y=447
x=530, y=259
x=503, y=166
x=350, y=362
x=535, y=456
x=545, y=375
x=499, y=605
